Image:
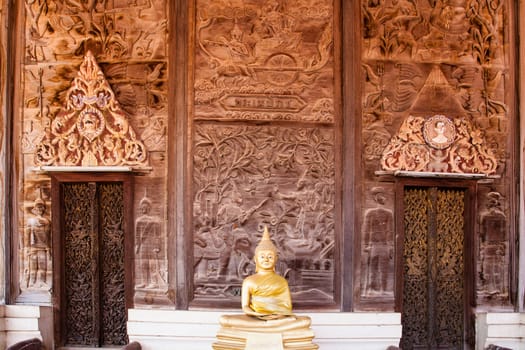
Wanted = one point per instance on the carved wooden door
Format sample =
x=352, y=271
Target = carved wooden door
x=434, y=288
x=93, y=273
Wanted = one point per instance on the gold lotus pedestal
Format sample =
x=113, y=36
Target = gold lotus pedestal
x=251, y=333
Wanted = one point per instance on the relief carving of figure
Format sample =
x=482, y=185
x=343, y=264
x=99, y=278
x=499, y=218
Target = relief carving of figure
x=226, y=242
x=37, y=238
x=493, y=245
x=378, y=233
x=148, y=247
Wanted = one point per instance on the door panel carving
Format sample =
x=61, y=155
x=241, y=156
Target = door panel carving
x=95, y=309
x=433, y=269
x=113, y=305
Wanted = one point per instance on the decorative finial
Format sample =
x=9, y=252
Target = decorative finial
x=266, y=243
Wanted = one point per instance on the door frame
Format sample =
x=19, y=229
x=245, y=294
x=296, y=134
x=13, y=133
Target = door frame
x=469, y=256
x=58, y=289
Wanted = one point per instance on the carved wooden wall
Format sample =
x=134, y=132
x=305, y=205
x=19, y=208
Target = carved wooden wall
x=438, y=97
x=264, y=132
x=264, y=145
x=121, y=90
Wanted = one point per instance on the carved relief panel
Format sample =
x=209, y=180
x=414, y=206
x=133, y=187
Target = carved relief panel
x=377, y=244
x=264, y=60
x=249, y=177
x=94, y=92
x=493, y=282
x=269, y=61
x=151, y=254
x=438, y=98
x=35, y=245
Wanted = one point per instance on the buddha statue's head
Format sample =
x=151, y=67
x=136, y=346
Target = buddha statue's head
x=265, y=253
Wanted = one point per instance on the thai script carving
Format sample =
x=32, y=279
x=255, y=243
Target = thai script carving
x=91, y=129
x=269, y=62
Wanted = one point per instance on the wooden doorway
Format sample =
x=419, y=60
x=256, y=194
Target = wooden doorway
x=92, y=265
x=434, y=288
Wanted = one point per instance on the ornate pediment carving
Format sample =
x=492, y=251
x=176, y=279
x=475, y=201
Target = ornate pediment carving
x=437, y=136
x=91, y=129
x=438, y=144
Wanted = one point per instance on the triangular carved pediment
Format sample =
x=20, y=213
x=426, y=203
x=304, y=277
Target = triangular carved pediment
x=438, y=144
x=91, y=129
x=437, y=96
x=444, y=142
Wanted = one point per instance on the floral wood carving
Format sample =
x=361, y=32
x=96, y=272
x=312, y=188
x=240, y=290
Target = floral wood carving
x=91, y=129
x=438, y=144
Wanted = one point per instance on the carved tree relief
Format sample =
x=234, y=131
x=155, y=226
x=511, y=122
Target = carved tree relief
x=248, y=177
x=264, y=61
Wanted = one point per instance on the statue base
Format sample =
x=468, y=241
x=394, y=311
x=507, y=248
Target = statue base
x=250, y=333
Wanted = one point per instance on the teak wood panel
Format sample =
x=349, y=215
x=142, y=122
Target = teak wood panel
x=59, y=244
x=424, y=249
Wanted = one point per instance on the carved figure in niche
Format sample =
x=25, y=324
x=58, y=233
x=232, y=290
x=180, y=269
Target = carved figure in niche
x=37, y=246
x=493, y=245
x=148, y=247
x=378, y=232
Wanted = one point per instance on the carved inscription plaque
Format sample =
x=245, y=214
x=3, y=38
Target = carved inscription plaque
x=264, y=60
x=251, y=176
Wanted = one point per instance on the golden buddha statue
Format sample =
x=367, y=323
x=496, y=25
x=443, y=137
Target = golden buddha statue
x=266, y=294
x=268, y=322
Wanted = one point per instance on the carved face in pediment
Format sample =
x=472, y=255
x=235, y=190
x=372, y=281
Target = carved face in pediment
x=439, y=131
x=91, y=112
x=90, y=123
